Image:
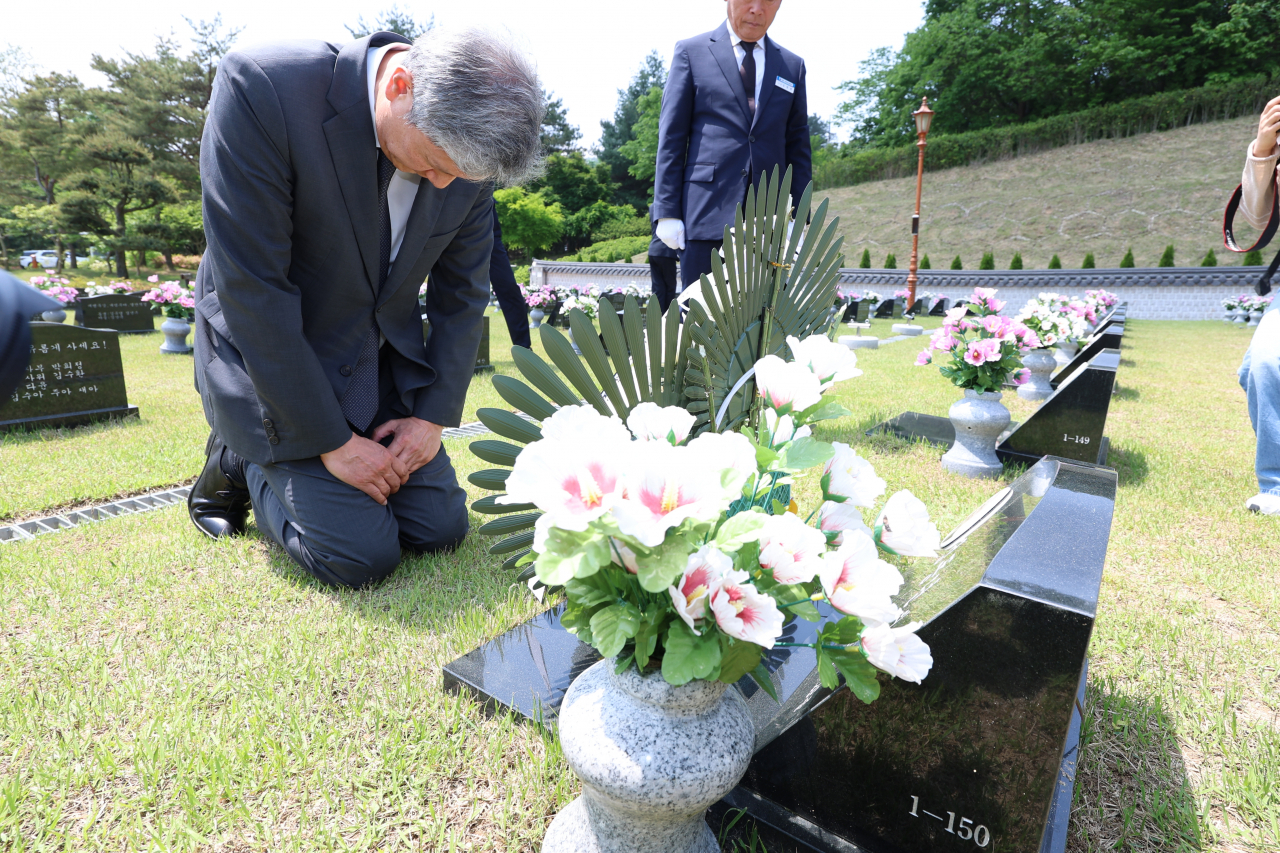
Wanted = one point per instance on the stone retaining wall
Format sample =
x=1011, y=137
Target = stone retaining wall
x=1170, y=293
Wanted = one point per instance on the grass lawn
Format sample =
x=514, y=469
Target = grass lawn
x=159, y=691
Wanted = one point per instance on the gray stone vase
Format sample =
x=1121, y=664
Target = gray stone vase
x=979, y=419
x=652, y=759
x=1065, y=352
x=535, y=317
x=1242, y=317
x=1255, y=317
x=175, y=336
x=1228, y=315
x=57, y=315
x=1040, y=363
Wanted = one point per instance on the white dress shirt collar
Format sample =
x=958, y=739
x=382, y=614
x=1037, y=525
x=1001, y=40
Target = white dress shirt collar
x=740, y=53
x=736, y=40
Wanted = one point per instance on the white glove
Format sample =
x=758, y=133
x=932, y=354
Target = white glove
x=671, y=232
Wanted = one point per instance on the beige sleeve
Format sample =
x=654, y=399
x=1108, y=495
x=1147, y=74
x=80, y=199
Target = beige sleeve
x=1259, y=185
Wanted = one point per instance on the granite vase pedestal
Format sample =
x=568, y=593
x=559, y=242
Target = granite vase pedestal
x=175, y=331
x=1040, y=363
x=979, y=419
x=1229, y=315
x=652, y=759
x=55, y=316
x=1065, y=352
x=1255, y=317
x=535, y=317
x=1242, y=317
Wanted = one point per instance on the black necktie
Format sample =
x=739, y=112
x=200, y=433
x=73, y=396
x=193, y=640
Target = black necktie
x=360, y=401
x=748, y=72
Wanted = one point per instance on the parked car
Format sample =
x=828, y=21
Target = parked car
x=45, y=259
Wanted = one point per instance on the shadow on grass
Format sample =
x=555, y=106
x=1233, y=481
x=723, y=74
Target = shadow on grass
x=1130, y=464
x=1132, y=790
x=1127, y=362
x=1125, y=392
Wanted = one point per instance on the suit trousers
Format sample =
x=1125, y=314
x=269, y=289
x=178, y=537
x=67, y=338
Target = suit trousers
x=515, y=312
x=340, y=535
x=695, y=260
x=662, y=280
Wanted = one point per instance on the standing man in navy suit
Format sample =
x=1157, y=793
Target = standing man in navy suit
x=734, y=106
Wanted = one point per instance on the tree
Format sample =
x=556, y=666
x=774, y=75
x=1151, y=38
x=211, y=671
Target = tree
x=924, y=263
x=1210, y=260
x=617, y=133
x=1252, y=258
x=955, y=263
x=393, y=20
x=1016, y=263
x=1127, y=261
x=891, y=261
x=988, y=261
x=1055, y=263
x=1089, y=263
x=1166, y=260
x=573, y=182
x=529, y=224
x=642, y=151
x=865, y=263
x=558, y=136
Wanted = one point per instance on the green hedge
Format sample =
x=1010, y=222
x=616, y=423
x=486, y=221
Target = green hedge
x=622, y=249
x=1113, y=121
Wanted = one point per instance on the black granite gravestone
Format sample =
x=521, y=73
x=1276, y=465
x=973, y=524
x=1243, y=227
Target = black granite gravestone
x=1070, y=423
x=889, y=309
x=918, y=307
x=483, y=364
x=75, y=377
x=982, y=753
x=1109, y=338
x=940, y=307
x=115, y=311
x=856, y=311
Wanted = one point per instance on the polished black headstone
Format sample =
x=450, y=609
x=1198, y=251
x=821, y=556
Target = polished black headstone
x=889, y=309
x=940, y=307
x=1008, y=610
x=115, y=311
x=483, y=365
x=1109, y=338
x=850, y=311
x=918, y=307
x=75, y=377
x=1070, y=423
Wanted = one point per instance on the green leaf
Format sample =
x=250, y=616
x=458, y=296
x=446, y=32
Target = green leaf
x=822, y=411
x=571, y=555
x=738, y=530
x=826, y=670
x=686, y=656
x=577, y=621
x=805, y=453
x=737, y=658
x=859, y=674
x=589, y=591
x=651, y=627
x=778, y=507
x=624, y=661
x=612, y=626
x=760, y=675
x=663, y=566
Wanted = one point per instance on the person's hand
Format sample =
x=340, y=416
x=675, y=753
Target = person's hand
x=671, y=232
x=416, y=441
x=1268, y=126
x=368, y=466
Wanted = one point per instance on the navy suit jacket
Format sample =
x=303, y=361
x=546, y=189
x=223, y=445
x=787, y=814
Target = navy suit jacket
x=288, y=288
x=710, y=148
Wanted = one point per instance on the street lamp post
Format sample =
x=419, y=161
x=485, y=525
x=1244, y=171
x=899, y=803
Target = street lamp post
x=923, y=117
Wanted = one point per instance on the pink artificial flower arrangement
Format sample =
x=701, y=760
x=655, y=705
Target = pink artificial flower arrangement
x=677, y=555
x=178, y=301
x=65, y=295
x=1102, y=298
x=983, y=349
x=539, y=296
x=44, y=282
x=902, y=294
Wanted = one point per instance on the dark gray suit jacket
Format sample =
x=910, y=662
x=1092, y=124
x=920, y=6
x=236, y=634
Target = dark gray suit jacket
x=287, y=290
x=710, y=147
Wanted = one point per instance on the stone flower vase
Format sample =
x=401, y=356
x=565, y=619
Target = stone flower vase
x=1040, y=362
x=1255, y=317
x=57, y=315
x=1242, y=316
x=1228, y=315
x=979, y=419
x=1065, y=352
x=535, y=317
x=175, y=331
x=652, y=759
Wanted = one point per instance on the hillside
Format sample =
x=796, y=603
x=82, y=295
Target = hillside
x=1103, y=197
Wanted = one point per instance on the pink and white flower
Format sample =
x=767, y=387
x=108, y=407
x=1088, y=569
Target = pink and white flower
x=982, y=351
x=702, y=579
x=574, y=484
x=744, y=613
x=853, y=477
x=905, y=527
x=839, y=518
x=791, y=549
x=859, y=583
x=783, y=429
x=651, y=422
x=786, y=385
x=575, y=424
x=729, y=453
x=665, y=486
x=621, y=555
x=898, y=651
x=829, y=361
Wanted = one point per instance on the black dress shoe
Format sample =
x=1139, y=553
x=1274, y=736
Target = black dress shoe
x=219, y=500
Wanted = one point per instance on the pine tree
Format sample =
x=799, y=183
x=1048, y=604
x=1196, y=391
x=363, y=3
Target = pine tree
x=1127, y=261
x=1016, y=263
x=988, y=261
x=1055, y=263
x=1210, y=260
x=955, y=263
x=1166, y=260
x=924, y=263
x=865, y=263
x=1253, y=258
x=891, y=262
x=1089, y=262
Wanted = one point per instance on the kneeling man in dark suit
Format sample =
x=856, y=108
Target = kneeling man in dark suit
x=336, y=178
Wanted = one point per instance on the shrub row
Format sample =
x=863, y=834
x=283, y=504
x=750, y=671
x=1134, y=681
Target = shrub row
x=1164, y=111
x=988, y=261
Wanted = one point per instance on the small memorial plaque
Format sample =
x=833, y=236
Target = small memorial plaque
x=115, y=311
x=483, y=364
x=75, y=377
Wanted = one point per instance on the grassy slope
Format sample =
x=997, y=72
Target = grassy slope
x=1101, y=197
x=141, y=706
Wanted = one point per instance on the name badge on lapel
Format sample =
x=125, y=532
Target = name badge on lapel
x=786, y=84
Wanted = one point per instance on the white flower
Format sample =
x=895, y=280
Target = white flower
x=853, y=477
x=620, y=555
x=651, y=422
x=791, y=549
x=787, y=385
x=841, y=518
x=898, y=651
x=906, y=528
x=859, y=583
x=703, y=576
x=665, y=485
x=573, y=483
x=783, y=429
x=573, y=424
x=829, y=361
x=729, y=453
x=744, y=613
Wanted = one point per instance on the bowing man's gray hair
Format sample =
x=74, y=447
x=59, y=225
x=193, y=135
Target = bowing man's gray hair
x=478, y=98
